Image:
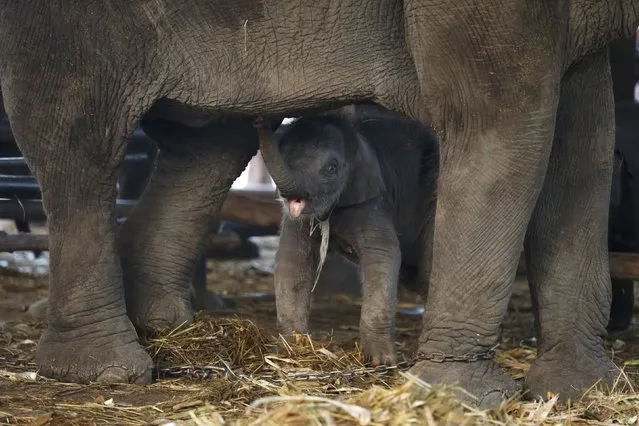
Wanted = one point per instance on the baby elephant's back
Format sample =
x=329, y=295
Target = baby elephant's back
x=408, y=155
x=406, y=148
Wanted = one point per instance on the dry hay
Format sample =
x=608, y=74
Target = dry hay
x=415, y=402
x=209, y=341
x=257, y=390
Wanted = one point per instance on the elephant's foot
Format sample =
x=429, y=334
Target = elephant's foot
x=106, y=353
x=151, y=311
x=568, y=378
x=486, y=381
x=379, y=348
x=38, y=310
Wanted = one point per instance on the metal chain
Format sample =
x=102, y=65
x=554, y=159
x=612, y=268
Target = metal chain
x=18, y=362
x=469, y=357
x=208, y=372
x=211, y=372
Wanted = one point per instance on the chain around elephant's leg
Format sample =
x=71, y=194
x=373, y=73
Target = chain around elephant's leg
x=484, y=200
x=566, y=245
x=495, y=120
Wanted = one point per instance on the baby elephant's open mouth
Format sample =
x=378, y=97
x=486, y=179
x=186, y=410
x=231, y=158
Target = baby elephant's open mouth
x=296, y=207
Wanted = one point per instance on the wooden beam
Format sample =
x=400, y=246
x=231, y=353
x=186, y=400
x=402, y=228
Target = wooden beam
x=258, y=208
x=225, y=241
x=252, y=208
x=622, y=265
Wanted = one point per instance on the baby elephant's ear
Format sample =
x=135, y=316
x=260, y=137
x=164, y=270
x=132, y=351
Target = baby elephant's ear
x=365, y=181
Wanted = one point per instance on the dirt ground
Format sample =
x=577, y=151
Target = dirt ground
x=240, y=344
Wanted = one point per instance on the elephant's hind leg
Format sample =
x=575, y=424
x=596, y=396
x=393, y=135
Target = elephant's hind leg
x=167, y=232
x=566, y=244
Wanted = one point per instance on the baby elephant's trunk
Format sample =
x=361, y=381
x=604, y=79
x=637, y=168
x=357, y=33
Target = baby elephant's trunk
x=278, y=169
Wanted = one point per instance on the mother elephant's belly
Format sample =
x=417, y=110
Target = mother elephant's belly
x=277, y=62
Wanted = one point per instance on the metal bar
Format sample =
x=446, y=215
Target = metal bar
x=12, y=161
x=6, y=136
x=20, y=162
x=32, y=209
x=25, y=186
x=18, y=178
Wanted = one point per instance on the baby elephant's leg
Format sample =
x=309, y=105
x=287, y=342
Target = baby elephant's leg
x=377, y=247
x=295, y=268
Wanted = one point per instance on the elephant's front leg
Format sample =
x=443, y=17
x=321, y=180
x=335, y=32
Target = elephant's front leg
x=486, y=193
x=378, y=250
x=566, y=245
x=495, y=117
x=295, y=268
x=166, y=234
x=74, y=149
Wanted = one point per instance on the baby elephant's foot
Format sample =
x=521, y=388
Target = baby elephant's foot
x=486, y=383
x=379, y=348
x=292, y=331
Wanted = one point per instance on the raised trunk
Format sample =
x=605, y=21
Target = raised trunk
x=278, y=169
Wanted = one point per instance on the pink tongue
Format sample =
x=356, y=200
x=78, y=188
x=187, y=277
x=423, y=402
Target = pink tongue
x=295, y=208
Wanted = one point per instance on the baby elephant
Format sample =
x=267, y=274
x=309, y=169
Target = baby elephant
x=365, y=176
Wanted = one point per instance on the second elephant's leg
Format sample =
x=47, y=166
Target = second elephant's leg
x=566, y=245
x=167, y=232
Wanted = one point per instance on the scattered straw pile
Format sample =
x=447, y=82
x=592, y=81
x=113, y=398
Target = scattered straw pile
x=209, y=341
x=238, y=343
x=415, y=402
x=259, y=388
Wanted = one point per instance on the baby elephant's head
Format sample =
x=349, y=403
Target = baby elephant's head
x=320, y=162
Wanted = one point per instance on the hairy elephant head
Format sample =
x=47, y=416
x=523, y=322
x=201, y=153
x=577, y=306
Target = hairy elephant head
x=321, y=162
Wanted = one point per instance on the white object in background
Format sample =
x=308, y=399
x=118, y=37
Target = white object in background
x=637, y=93
x=256, y=177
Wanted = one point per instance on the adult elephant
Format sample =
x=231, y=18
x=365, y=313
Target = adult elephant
x=491, y=78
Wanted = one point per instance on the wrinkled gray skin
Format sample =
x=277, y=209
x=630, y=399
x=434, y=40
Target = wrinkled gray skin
x=496, y=81
x=397, y=220
x=372, y=174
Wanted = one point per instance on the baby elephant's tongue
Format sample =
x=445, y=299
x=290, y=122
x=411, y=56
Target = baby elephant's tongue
x=295, y=208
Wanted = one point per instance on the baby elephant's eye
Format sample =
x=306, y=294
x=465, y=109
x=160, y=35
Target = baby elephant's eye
x=330, y=168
